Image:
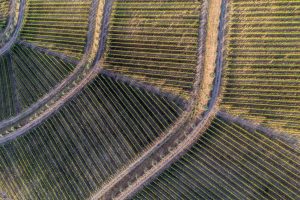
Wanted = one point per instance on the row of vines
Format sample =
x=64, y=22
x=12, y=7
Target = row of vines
x=262, y=71
x=4, y=12
x=155, y=42
x=26, y=76
x=229, y=162
x=84, y=144
x=263, y=63
x=60, y=26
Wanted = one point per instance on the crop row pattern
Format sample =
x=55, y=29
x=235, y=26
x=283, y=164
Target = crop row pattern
x=72, y=153
x=4, y=10
x=26, y=75
x=262, y=69
x=61, y=26
x=155, y=42
x=229, y=162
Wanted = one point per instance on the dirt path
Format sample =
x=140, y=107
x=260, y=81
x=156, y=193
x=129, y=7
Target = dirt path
x=58, y=104
x=210, y=54
x=53, y=95
x=152, y=158
x=11, y=17
x=213, y=109
x=198, y=126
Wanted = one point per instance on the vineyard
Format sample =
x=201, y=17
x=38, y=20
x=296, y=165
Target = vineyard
x=7, y=105
x=233, y=160
x=263, y=63
x=4, y=10
x=36, y=73
x=155, y=42
x=149, y=99
x=27, y=76
x=60, y=26
x=229, y=162
x=85, y=143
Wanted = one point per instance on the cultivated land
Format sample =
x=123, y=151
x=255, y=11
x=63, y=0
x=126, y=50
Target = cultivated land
x=4, y=10
x=229, y=161
x=155, y=42
x=263, y=63
x=121, y=99
x=7, y=105
x=61, y=26
x=95, y=143
x=77, y=79
x=232, y=163
x=29, y=75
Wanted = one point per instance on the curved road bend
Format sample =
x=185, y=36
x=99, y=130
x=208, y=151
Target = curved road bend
x=219, y=7
x=182, y=123
x=201, y=125
x=5, y=124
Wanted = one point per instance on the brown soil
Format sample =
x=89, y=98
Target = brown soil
x=214, y=11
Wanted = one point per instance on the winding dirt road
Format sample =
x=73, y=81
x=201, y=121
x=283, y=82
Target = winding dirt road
x=216, y=7
x=111, y=188
x=54, y=94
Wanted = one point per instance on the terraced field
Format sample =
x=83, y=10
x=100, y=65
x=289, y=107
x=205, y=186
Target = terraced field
x=85, y=143
x=4, y=9
x=263, y=63
x=61, y=26
x=155, y=42
x=229, y=162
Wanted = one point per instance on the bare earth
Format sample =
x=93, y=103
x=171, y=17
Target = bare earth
x=214, y=11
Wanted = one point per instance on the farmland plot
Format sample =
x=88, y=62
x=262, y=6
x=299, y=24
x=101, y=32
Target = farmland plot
x=7, y=104
x=4, y=9
x=262, y=68
x=86, y=142
x=155, y=42
x=229, y=162
x=59, y=25
x=36, y=73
